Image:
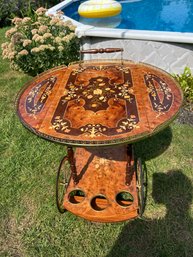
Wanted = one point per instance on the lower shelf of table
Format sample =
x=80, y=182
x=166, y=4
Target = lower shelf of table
x=106, y=185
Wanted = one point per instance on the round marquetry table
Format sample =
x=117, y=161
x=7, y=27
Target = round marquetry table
x=101, y=107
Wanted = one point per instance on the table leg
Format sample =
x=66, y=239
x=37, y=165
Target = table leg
x=70, y=154
x=130, y=168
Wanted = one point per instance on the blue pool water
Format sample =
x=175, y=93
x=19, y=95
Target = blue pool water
x=157, y=15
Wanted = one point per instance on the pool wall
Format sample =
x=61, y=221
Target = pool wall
x=171, y=51
x=172, y=57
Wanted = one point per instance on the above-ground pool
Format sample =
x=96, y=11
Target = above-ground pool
x=159, y=32
x=157, y=15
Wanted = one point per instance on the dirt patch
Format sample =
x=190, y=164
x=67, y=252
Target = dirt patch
x=186, y=115
x=11, y=240
x=12, y=230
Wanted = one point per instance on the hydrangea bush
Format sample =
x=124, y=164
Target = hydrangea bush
x=35, y=45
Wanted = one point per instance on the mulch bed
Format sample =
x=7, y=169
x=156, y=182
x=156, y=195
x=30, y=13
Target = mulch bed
x=186, y=115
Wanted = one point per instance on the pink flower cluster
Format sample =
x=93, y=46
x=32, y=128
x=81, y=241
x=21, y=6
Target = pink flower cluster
x=40, y=35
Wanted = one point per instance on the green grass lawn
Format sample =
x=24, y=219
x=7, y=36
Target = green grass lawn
x=30, y=224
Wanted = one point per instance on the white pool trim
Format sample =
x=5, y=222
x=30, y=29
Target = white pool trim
x=86, y=30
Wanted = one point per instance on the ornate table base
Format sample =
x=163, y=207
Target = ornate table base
x=101, y=184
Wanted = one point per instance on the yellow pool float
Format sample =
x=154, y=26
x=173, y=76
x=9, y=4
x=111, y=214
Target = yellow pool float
x=108, y=22
x=99, y=8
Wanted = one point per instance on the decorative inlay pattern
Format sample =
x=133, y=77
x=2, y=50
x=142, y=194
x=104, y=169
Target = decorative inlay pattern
x=98, y=93
x=34, y=105
x=157, y=88
x=99, y=102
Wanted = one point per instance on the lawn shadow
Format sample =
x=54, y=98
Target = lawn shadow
x=154, y=146
x=169, y=236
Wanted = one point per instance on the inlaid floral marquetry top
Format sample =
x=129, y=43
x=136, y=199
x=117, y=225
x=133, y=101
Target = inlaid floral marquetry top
x=99, y=102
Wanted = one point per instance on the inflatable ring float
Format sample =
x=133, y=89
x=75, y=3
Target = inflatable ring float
x=108, y=22
x=99, y=8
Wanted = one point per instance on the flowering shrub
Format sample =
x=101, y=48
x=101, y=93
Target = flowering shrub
x=35, y=45
x=186, y=82
x=21, y=8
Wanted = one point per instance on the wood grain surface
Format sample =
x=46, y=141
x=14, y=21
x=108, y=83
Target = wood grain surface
x=103, y=176
x=99, y=102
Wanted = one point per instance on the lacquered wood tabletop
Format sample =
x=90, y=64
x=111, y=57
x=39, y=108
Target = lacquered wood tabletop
x=99, y=102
